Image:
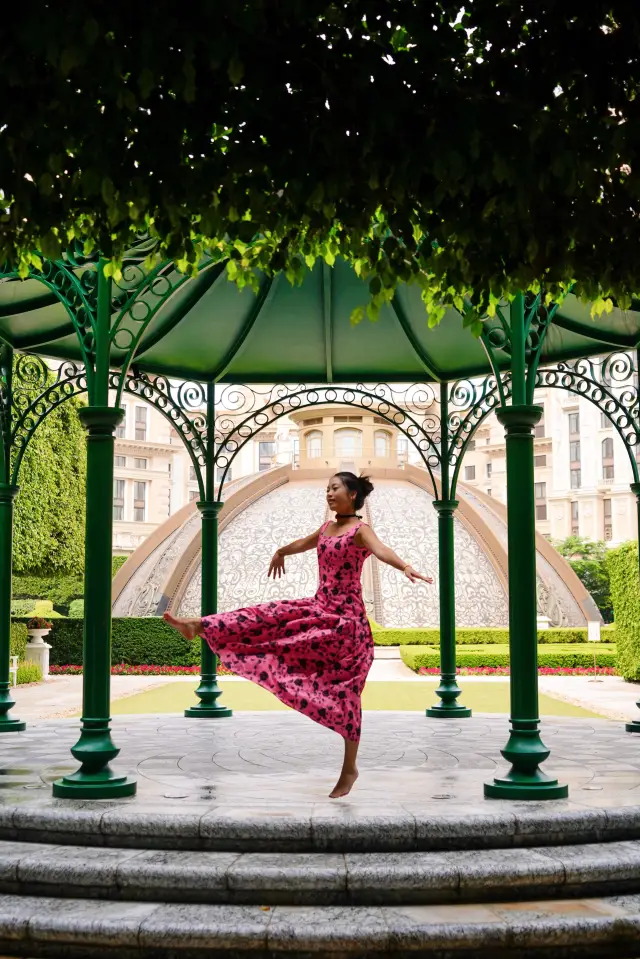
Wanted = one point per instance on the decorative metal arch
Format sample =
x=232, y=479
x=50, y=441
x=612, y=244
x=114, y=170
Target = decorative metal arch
x=246, y=412
x=596, y=380
x=472, y=403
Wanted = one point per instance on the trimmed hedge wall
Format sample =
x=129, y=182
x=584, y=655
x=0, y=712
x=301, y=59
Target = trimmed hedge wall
x=135, y=641
x=479, y=635
x=18, y=640
x=622, y=565
x=557, y=656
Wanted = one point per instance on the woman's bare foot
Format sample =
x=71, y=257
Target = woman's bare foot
x=189, y=628
x=344, y=785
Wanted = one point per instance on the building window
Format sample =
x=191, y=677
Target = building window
x=140, y=463
x=120, y=462
x=382, y=443
x=314, y=444
x=489, y=492
x=574, y=424
x=296, y=451
x=469, y=472
x=539, y=428
x=489, y=469
x=575, y=522
x=118, y=499
x=348, y=444
x=402, y=447
x=220, y=475
x=605, y=422
x=347, y=419
x=574, y=451
x=607, y=458
x=540, y=461
x=541, y=490
x=141, y=423
x=471, y=445
x=121, y=428
x=193, y=495
x=541, y=511
x=576, y=479
x=192, y=473
x=139, y=502
x=314, y=421
x=608, y=526
x=266, y=452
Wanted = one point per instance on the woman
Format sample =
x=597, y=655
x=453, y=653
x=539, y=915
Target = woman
x=315, y=653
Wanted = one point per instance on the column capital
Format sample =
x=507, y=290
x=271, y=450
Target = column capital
x=445, y=507
x=635, y=488
x=210, y=507
x=519, y=420
x=8, y=492
x=100, y=420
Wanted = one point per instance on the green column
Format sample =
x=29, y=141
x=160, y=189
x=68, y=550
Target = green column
x=7, y=496
x=95, y=749
x=524, y=750
x=448, y=690
x=208, y=692
x=634, y=725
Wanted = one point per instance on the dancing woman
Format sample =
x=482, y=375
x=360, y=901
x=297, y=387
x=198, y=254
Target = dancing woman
x=314, y=654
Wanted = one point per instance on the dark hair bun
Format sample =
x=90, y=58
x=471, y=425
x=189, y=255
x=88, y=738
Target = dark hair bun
x=360, y=485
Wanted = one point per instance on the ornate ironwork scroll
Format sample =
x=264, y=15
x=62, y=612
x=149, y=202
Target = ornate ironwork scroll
x=246, y=411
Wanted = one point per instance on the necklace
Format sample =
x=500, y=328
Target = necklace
x=348, y=516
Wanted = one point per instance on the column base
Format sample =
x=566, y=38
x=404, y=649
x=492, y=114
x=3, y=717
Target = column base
x=12, y=725
x=522, y=786
x=203, y=711
x=448, y=711
x=633, y=726
x=103, y=785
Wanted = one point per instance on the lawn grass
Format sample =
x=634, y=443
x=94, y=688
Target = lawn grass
x=490, y=697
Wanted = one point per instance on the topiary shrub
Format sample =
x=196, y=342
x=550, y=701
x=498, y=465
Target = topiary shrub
x=76, y=609
x=28, y=673
x=23, y=607
x=622, y=564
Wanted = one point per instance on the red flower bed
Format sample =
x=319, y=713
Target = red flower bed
x=542, y=671
x=124, y=669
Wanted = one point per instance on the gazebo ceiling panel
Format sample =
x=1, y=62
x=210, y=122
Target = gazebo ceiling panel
x=207, y=328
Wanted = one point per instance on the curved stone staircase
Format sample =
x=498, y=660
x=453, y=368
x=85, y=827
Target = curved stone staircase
x=98, y=880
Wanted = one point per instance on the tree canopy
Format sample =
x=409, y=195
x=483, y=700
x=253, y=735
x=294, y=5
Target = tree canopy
x=479, y=149
x=588, y=559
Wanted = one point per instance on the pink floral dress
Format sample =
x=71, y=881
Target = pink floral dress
x=314, y=654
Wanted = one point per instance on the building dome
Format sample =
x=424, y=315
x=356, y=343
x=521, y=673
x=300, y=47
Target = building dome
x=272, y=508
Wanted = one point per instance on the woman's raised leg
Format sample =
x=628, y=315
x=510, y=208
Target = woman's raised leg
x=190, y=628
x=349, y=772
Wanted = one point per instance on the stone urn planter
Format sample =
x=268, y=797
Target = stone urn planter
x=37, y=650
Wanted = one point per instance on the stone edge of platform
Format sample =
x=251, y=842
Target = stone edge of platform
x=320, y=827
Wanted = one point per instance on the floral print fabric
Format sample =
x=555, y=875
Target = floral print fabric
x=314, y=654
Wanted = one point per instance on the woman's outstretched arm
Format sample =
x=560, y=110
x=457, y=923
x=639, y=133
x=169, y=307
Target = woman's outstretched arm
x=298, y=546
x=366, y=537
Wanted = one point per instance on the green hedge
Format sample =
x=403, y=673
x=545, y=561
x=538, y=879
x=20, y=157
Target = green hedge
x=135, y=641
x=18, y=640
x=559, y=655
x=479, y=636
x=622, y=564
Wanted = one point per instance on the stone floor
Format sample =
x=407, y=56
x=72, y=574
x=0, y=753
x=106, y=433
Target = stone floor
x=274, y=758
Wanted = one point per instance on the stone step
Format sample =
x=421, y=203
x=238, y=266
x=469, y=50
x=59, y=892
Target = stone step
x=83, y=929
x=315, y=827
x=354, y=879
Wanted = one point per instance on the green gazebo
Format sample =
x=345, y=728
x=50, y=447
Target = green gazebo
x=141, y=330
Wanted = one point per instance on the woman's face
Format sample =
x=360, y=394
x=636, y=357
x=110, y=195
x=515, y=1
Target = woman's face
x=339, y=498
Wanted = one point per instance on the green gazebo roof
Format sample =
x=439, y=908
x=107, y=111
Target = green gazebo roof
x=208, y=329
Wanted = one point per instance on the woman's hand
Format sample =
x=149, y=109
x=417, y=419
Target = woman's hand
x=277, y=565
x=415, y=576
